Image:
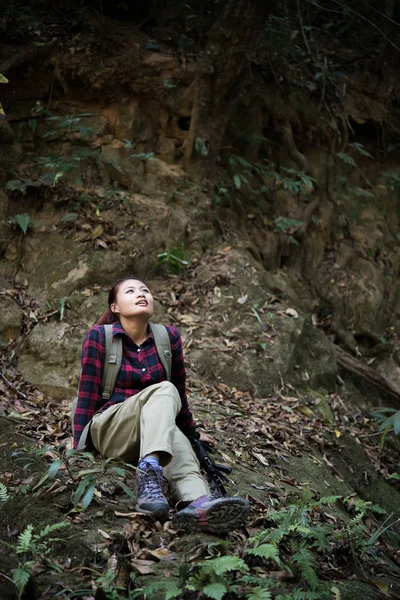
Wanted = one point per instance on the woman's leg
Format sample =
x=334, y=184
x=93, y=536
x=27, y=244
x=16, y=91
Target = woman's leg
x=183, y=472
x=141, y=425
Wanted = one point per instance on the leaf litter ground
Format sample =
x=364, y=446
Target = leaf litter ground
x=259, y=437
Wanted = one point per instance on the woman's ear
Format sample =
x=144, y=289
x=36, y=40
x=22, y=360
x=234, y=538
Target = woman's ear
x=112, y=308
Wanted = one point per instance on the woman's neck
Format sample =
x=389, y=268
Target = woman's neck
x=137, y=330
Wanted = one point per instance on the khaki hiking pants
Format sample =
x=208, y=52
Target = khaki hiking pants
x=145, y=423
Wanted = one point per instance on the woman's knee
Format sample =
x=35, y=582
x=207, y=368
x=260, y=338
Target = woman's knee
x=168, y=388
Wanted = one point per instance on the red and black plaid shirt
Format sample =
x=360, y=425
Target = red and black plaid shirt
x=140, y=368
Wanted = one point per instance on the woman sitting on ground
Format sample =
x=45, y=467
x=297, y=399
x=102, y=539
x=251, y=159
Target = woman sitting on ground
x=147, y=420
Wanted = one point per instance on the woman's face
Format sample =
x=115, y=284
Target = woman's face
x=133, y=300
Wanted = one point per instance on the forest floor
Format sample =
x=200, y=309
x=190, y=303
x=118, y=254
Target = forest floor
x=330, y=540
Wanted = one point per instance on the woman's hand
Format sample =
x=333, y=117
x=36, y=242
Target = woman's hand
x=204, y=437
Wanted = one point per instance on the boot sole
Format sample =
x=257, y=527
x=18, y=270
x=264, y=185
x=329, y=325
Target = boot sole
x=223, y=517
x=158, y=514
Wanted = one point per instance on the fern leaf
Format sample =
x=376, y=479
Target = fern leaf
x=320, y=535
x=275, y=535
x=215, y=590
x=301, y=595
x=3, y=493
x=306, y=562
x=50, y=528
x=172, y=591
x=327, y=500
x=20, y=578
x=223, y=564
x=268, y=551
x=24, y=540
x=259, y=593
x=378, y=509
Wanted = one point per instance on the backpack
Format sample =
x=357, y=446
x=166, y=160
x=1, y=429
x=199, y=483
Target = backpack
x=112, y=365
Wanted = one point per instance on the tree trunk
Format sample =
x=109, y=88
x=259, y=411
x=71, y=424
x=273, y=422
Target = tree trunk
x=231, y=45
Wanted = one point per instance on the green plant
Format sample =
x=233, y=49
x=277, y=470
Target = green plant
x=3, y=493
x=211, y=576
x=22, y=220
x=387, y=424
x=54, y=168
x=32, y=548
x=83, y=471
x=289, y=179
x=284, y=224
x=176, y=259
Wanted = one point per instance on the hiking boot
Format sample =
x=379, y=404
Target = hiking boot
x=150, y=499
x=216, y=515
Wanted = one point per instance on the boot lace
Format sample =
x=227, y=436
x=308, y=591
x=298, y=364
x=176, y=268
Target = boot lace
x=151, y=482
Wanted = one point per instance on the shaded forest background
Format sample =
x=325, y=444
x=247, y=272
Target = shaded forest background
x=242, y=157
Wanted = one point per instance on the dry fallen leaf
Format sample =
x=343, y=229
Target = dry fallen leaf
x=163, y=554
x=144, y=567
x=381, y=585
x=261, y=458
x=97, y=232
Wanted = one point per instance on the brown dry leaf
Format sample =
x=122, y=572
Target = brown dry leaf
x=104, y=534
x=163, y=554
x=97, y=232
x=112, y=563
x=261, y=458
x=15, y=415
x=217, y=292
x=144, y=567
x=307, y=412
x=381, y=585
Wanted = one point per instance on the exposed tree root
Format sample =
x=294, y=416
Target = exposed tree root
x=352, y=364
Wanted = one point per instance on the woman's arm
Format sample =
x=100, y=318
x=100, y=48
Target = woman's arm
x=184, y=420
x=90, y=382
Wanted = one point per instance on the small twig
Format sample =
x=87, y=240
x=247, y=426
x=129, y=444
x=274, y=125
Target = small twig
x=369, y=435
x=10, y=385
x=46, y=315
x=303, y=33
x=6, y=577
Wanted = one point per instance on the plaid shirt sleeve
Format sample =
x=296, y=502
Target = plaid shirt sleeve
x=184, y=420
x=90, y=383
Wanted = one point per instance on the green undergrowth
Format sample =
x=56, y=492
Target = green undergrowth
x=287, y=555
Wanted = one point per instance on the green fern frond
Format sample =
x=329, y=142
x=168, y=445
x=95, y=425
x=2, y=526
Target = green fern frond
x=24, y=540
x=320, y=535
x=50, y=528
x=378, y=509
x=274, y=536
x=259, y=593
x=301, y=595
x=305, y=560
x=3, y=493
x=20, y=578
x=268, y=551
x=215, y=590
x=222, y=564
x=327, y=500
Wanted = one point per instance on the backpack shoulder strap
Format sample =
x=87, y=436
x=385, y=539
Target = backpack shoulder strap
x=163, y=347
x=112, y=362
